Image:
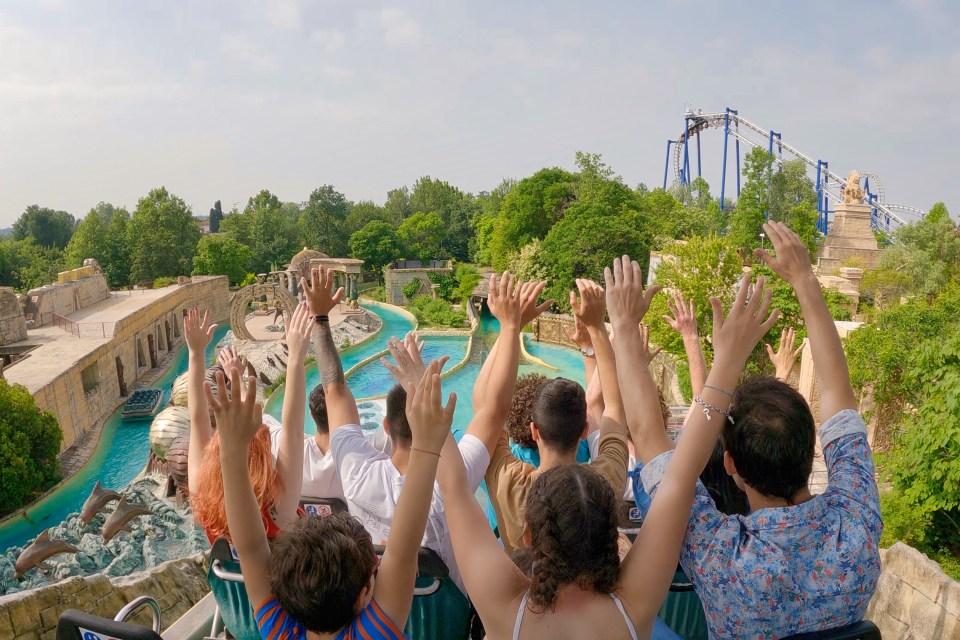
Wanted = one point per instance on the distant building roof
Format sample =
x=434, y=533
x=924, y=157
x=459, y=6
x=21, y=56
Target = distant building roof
x=301, y=261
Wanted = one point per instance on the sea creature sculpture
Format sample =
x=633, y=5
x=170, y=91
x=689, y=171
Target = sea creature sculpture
x=124, y=513
x=39, y=551
x=96, y=501
x=165, y=428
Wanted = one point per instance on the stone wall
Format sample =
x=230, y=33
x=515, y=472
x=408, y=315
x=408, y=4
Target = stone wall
x=177, y=585
x=13, y=325
x=65, y=298
x=396, y=279
x=117, y=363
x=915, y=599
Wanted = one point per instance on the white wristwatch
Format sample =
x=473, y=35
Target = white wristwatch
x=588, y=352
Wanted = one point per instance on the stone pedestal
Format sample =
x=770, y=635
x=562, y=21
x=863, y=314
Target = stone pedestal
x=850, y=237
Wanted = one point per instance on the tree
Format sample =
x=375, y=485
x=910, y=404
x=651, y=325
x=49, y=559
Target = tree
x=421, y=236
x=584, y=241
x=88, y=240
x=456, y=210
x=30, y=265
x=485, y=220
x=753, y=203
x=163, y=237
x=48, y=227
x=927, y=252
x=102, y=235
x=363, y=213
x=216, y=215
x=377, y=245
x=116, y=263
x=263, y=226
x=29, y=447
x=398, y=205
x=322, y=221
x=221, y=255
x=528, y=212
x=793, y=201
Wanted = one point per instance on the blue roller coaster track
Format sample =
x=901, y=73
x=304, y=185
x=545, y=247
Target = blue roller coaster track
x=829, y=185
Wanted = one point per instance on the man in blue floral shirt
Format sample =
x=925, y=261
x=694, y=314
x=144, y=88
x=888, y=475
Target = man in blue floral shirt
x=797, y=562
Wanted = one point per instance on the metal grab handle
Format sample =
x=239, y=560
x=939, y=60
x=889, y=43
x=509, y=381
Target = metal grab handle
x=137, y=603
x=429, y=590
x=230, y=576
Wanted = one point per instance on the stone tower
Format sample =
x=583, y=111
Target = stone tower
x=851, y=234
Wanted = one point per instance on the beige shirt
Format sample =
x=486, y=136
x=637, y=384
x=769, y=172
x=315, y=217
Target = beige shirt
x=509, y=481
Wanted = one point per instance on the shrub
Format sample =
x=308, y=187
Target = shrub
x=376, y=293
x=411, y=289
x=164, y=282
x=29, y=444
x=250, y=279
x=434, y=311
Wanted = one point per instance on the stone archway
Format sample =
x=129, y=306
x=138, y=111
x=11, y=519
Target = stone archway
x=241, y=300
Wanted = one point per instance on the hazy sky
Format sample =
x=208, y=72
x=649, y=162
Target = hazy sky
x=217, y=100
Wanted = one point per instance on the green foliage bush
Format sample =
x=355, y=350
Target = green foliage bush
x=376, y=293
x=412, y=288
x=435, y=311
x=29, y=444
x=251, y=278
x=165, y=281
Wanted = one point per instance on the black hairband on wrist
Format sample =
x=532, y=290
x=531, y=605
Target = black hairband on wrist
x=322, y=319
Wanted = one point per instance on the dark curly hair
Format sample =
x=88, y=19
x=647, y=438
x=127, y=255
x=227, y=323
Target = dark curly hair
x=319, y=567
x=521, y=409
x=572, y=517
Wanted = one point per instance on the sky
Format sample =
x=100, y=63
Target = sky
x=104, y=100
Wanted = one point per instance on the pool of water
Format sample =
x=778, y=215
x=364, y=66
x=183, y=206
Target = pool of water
x=120, y=455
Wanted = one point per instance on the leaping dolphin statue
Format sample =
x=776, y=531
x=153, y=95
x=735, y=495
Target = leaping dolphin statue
x=124, y=513
x=40, y=550
x=97, y=500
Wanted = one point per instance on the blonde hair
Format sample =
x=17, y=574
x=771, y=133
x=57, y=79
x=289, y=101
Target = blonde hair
x=209, y=509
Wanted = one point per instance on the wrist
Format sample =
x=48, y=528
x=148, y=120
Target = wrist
x=691, y=338
x=427, y=448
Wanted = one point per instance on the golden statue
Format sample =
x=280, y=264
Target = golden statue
x=852, y=191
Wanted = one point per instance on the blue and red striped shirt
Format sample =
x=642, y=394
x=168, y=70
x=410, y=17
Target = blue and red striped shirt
x=371, y=624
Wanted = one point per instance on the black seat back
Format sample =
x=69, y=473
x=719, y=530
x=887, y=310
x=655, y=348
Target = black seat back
x=863, y=630
x=429, y=564
x=79, y=625
x=322, y=506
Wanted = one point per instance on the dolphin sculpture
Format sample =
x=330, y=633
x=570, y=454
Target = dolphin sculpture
x=40, y=550
x=124, y=513
x=96, y=501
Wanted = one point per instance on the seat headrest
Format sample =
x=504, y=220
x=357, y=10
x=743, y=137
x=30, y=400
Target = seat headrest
x=80, y=625
x=322, y=506
x=429, y=564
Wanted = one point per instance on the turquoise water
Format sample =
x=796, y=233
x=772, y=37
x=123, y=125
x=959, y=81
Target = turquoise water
x=120, y=455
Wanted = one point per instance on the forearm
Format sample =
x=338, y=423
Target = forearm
x=698, y=364
x=589, y=368
x=290, y=454
x=701, y=430
x=826, y=348
x=480, y=386
x=244, y=518
x=502, y=380
x=607, y=370
x=327, y=356
x=642, y=405
x=200, y=428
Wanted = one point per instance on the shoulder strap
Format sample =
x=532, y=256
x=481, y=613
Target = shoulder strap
x=626, y=618
x=523, y=606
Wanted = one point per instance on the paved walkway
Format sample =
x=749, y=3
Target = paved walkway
x=261, y=326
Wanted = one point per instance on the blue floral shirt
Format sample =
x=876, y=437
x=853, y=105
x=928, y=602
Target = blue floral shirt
x=781, y=571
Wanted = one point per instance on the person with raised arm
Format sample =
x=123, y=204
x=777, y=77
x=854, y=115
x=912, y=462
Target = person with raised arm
x=683, y=320
x=797, y=562
x=785, y=357
x=577, y=587
x=559, y=422
x=321, y=579
x=277, y=481
x=198, y=332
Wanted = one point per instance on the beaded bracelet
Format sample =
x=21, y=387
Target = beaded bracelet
x=707, y=408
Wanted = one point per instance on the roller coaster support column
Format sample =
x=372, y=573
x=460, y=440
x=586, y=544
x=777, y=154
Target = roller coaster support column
x=666, y=165
x=685, y=171
x=699, y=168
x=723, y=173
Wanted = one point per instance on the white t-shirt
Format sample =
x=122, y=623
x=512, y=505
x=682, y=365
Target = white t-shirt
x=320, y=477
x=372, y=484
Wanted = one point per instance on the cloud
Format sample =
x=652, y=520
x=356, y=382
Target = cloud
x=284, y=14
x=399, y=28
x=331, y=40
x=241, y=49
x=336, y=73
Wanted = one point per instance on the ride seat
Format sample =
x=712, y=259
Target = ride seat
x=80, y=625
x=863, y=630
x=234, y=611
x=322, y=506
x=439, y=610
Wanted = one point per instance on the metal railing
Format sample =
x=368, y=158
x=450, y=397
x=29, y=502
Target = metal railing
x=83, y=329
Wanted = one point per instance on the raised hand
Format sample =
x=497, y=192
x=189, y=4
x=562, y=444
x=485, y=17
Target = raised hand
x=645, y=351
x=238, y=419
x=504, y=301
x=429, y=420
x=785, y=357
x=196, y=330
x=627, y=301
x=299, y=331
x=735, y=336
x=318, y=291
x=682, y=318
x=579, y=333
x=407, y=354
x=529, y=309
x=792, y=260
x=592, y=307
x=230, y=360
